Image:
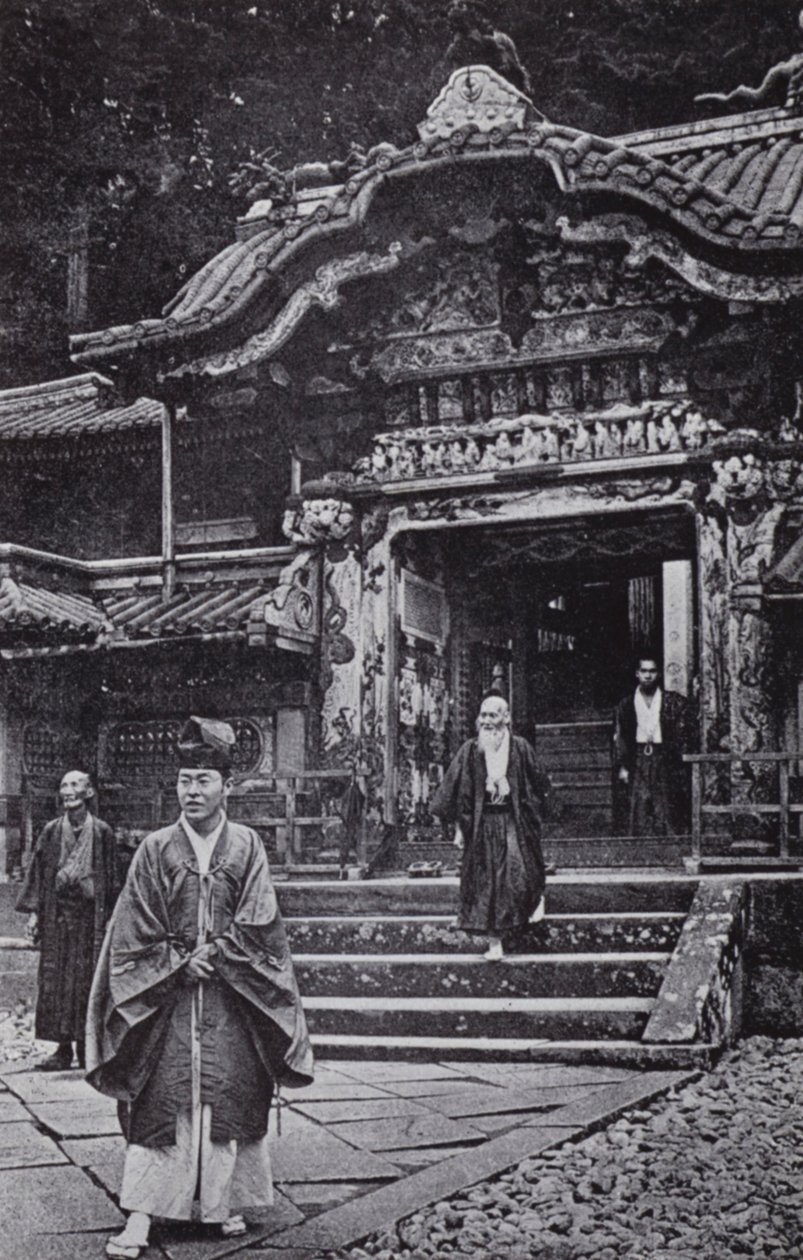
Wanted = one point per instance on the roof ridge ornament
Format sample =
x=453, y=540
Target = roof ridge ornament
x=788, y=73
x=476, y=98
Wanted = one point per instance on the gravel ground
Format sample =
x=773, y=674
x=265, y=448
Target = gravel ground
x=16, y=1034
x=713, y=1172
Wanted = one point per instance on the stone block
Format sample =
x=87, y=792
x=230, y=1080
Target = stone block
x=385, y=1107
x=12, y=1109
x=194, y=1241
x=23, y=1146
x=317, y=1155
x=103, y=1156
x=391, y=1070
x=79, y=1119
x=403, y=1133
x=48, y=1200
x=48, y=1087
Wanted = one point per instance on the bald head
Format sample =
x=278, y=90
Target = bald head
x=75, y=789
x=494, y=714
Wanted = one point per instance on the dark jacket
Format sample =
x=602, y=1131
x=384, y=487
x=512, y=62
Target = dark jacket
x=677, y=730
x=461, y=795
x=70, y=931
x=253, y=1030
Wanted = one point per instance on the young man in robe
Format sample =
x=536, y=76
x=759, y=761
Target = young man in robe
x=652, y=730
x=494, y=792
x=195, y=1015
x=69, y=893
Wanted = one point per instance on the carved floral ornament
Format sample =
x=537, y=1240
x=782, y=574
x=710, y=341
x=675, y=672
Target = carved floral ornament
x=749, y=479
x=320, y=514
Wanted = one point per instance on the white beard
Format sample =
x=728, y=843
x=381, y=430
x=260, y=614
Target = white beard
x=491, y=740
x=495, y=745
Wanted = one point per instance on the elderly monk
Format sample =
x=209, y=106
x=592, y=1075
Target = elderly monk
x=495, y=793
x=69, y=893
x=194, y=1016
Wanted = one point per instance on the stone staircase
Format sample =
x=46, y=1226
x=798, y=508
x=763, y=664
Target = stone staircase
x=384, y=973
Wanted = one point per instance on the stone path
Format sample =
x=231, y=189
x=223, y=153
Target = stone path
x=366, y=1143
x=713, y=1172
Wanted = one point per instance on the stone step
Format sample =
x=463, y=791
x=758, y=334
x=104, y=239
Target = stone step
x=534, y=1018
x=565, y=895
x=518, y=976
x=619, y=1053
x=568, y=853
x=558, y=933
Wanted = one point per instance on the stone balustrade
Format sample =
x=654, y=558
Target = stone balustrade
x=617, y=433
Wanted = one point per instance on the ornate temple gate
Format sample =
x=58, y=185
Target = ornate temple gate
x=520, y=326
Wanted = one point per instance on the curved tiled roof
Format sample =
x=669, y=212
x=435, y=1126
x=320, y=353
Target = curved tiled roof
x=71, y=407
x=754, y=162
x=30, y=611
x=732, y=184
x=213, y=609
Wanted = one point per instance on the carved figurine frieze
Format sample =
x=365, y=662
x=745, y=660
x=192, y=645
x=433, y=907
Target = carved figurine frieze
x=458, y=450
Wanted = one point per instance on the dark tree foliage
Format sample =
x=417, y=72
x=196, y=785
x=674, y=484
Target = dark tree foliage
x=121, y=121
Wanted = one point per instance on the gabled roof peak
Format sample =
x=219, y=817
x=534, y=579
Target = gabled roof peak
x=476, y=98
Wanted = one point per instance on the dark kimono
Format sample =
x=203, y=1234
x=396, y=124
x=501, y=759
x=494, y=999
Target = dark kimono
x=253, y=1032
x=502, y=874
x=658, y=794
x=71, y=928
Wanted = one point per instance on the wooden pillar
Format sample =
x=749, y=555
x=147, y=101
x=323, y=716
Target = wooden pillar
x=12, y=839
x=678, y=618
x=168, y=515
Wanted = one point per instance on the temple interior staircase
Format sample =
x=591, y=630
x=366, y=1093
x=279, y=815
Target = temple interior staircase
x=384, y=973
x=577, y=758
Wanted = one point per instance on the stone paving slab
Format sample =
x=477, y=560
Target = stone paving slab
x=332, y=1093
x=421, y=1156
x=301, y=1158
x=319, y=1196
x=23, y=1146
x=377, y=1072
x=607, y=1102
x=193, y=1241
x=402, y=1133
x=484, y=1100
x=383, y=1107
x=12, y=1109
x=59, y=1246
x=103, y=1157
x=50, y=1087
x=45, y=1199
x=338, y=1228
x=547, y=1074
x=426, y=1090
x=290, y=1121
x=78, y=1119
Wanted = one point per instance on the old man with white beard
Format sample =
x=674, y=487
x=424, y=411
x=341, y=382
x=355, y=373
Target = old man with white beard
x=495, y=793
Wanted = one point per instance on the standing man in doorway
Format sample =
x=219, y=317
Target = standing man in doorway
x=494, y=793
x=195, y=1015
x=653, y=728
x=69, y=893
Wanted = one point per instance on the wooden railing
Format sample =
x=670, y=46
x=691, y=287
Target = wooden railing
x=272, y=804
x=247, y=805
x=783, y=807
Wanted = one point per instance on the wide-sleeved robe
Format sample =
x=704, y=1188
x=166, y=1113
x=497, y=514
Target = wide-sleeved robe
x=253, y=1032
x=71, y=928
x=658, y=788
x=502, y=876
